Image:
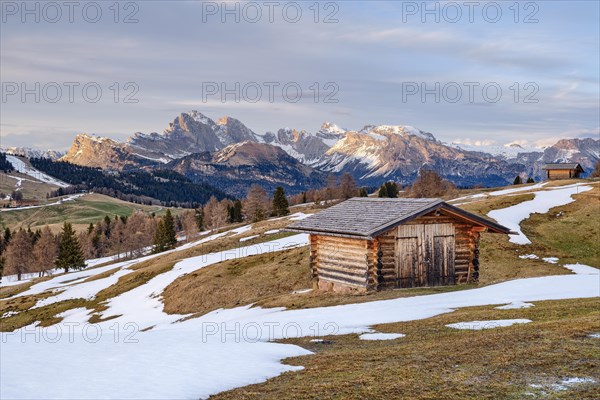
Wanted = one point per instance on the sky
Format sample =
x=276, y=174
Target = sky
x=471, y=72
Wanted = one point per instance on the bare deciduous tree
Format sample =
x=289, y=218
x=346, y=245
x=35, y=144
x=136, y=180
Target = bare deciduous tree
x=45, y=252
x=19, y=255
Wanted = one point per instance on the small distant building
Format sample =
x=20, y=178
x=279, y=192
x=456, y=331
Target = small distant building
x=563, y=170
x=366, y=244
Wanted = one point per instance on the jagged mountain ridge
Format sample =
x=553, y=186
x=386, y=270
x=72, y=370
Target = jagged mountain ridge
x=239, y=165
x=372, y=154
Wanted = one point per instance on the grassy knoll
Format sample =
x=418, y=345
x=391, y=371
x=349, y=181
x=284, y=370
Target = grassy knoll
x=434, y=362
x=80, y=212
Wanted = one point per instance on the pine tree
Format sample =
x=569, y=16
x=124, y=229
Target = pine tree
x=518, y=180
x=165, y=237
x=530, y=180
x=159, y=238
x=280, y=202
x=70, y=255
x=170, y=233
x=383, y=191
x=237, y=211
x=200, y=219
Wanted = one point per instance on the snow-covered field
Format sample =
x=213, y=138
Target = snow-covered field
x=227, y=348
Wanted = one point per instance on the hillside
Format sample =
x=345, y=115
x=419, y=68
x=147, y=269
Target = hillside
x=179, y=304
x=81, y=211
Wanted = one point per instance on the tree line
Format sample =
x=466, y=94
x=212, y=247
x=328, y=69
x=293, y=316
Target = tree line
x=26, y=251
x=170, y=188
x=5, y=165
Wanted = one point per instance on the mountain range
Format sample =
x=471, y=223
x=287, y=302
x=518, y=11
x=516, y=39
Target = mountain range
x=230, y=155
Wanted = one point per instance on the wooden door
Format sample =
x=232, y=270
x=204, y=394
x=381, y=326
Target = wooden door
x=425, y=255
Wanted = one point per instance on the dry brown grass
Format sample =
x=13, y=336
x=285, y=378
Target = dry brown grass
x=436, y=362
x=238, y=282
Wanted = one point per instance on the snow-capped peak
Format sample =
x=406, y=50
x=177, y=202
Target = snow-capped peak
x=328, y=127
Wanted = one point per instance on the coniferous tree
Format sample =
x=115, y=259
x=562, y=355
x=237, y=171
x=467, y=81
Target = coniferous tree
x=159, y=237
x=363, y=192
x=383, y=191
x=530, y=180
x=200, y=219
x=280, y=203
x=304, y=200
x=518, y=180
x=170, y=232
x=165, y=237
x=7, y=235
x=70, y=255
x=237, y=211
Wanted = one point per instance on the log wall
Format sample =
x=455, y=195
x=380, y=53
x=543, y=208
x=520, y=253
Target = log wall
x=561, y=174
x=339, y=264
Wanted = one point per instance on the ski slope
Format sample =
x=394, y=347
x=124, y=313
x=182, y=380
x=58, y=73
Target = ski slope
x=20, y=166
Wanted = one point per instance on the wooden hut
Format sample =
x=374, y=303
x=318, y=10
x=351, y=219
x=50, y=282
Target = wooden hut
x=376, y=243
x=563, y=170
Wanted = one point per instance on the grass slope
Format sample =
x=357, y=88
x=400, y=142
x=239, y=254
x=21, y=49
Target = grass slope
x=80, y=212
x=435, y=362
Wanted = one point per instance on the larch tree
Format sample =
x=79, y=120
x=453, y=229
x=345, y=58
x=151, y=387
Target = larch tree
x=70, y=255
x=190, y=224
x=45, y=252
x=256, y=204
x=280, y=202
x=347, y=186
x=596, y=172
x=19, y=255
x=430, y=184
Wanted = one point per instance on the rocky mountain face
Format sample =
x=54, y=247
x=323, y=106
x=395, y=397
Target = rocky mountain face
x=239, y=165
x=230, y=152
x=93, y=151
x=398, y=153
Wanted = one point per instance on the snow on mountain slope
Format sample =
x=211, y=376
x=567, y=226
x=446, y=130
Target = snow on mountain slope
x=20, y=166
x=507, y=151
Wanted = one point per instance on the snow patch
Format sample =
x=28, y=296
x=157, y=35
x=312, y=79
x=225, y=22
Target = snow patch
x=481, y=325
x=515, y=305
x=380, y=336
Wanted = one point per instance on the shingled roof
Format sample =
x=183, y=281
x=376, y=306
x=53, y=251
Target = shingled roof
x=366, y=218
x=563, y=166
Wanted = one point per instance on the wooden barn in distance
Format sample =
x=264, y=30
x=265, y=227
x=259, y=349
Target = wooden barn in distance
x=563, y=170
x=365, y=244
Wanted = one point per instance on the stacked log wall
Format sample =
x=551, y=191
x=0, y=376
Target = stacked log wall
x=341, y=263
